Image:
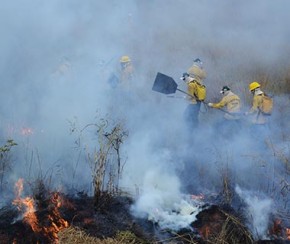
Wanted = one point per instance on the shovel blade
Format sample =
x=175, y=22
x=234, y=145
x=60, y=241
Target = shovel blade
x=164, y=84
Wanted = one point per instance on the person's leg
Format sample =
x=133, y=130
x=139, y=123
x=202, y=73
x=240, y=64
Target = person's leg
x=191, y=116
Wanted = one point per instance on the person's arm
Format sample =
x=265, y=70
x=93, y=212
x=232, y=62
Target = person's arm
x=255, y=105
x=220, y=104
x=191, y=89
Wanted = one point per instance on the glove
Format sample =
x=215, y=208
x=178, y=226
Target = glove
x=210, y=104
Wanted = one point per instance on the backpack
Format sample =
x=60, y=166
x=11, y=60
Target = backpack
x=234, y=104
x=201, y=91
x=267, y=105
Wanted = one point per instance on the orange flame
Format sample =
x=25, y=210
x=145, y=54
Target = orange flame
x=18, y=188
x=26, y=131
x=27, y=206
x=288, y=233
x=205, y=232
x=279, y=230
x=197, y=197
x=57, y=222
x=276, y=228
x=54, y=221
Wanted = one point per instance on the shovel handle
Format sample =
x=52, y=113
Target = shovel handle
x=185, y=93
x=202, y=101
x=240, y=114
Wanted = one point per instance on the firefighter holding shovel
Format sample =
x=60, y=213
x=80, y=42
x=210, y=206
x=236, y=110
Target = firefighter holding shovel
x=196, y=91
x=196, y=95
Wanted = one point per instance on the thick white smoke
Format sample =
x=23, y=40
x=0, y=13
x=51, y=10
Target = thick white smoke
x=162, y=202
x=258, y=210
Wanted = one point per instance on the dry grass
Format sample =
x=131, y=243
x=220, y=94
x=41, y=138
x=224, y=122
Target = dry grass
x=74, y=235
x=274, y=81
x=233, y=231
x=229, y=230
x=5, y=160
x=280, y=155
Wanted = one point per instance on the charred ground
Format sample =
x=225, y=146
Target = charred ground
x=112, y=219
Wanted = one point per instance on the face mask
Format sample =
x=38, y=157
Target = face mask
x=184, y=76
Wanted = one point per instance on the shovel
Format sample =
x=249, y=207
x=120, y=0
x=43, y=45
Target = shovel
x=166, y=85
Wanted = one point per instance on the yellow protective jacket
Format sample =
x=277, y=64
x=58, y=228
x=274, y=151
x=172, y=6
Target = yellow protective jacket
x=197, y=72
x=232, y=103
x=192, y=87
x=257, y=117
x=126, y=76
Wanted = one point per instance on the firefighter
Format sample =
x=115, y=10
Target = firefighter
x=196, y=95
x=257, y=113
x=197, y=70
x=232, y=103
x=197, y=92
x=127, y=70
x=257, y=117
x=122, y=76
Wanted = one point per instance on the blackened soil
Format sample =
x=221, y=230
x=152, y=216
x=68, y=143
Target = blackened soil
x=105, y=220
x=102, y=221
x=113, y=215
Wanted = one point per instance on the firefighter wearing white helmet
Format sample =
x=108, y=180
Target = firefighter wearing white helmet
x=197, y=70
x=231, y=102
x=197, y=92
x=196, y=95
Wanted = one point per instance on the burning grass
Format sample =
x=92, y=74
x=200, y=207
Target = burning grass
x=47, y=222
x=74, y=221
x=114, y=224
x=215, y=225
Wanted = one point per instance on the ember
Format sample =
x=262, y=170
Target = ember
x=14, y=130
x=279, y=231
x=26, y=131
x=216, y=224
x=197, y=197
x=288, y=233
x=277, y=228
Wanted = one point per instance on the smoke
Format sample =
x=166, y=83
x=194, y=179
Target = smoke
x=56, y=59
x=162, y=202
x=259, y=209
